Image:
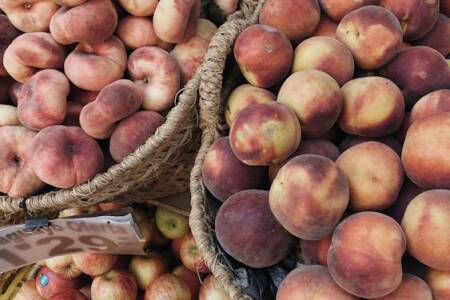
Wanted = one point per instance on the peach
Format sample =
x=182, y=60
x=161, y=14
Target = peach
x=94, y=66
x=412, y=287
x=132, y=132
x=91, y=22
x=136, y=32
x=8, y=115
x=426, y=152
x=418, y=71
x=315, y=252
x=436, y=38
x=365, y=255
x=375, y=175
x=9, y=33
x=81, y=96
x=29, y=15
x=14, y=92
x=426, y=224
x=308, y=196
x=73, y=111
x=316, y=146
x=439, y=282
x=65, y=156
x=219, y=10
x=265, y=133
x=311, y=282
x=417, y=17
x=244, y=96
x=189, y=54
x=264, y=242
x=175, y=21
x=325, y=54
x=433, y=103
x=373, y=35
x=139, y=8
x=115, y=102
x=225, y=175
x=297, y=19
x=326, y=27
x=352, y=140
x=43, y=100
x=316, y=99
x=18, y=179
x=264, y=55
x=157, y=75
x=70, y=3
x=30, y=52
x=337, y=9
x=373, y=107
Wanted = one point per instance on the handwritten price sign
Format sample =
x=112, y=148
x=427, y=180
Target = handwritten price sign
x=109, y=234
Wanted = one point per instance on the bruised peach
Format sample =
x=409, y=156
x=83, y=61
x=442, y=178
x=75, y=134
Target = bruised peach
x=373, y=107
x=375, y=175
x=136, y=32
x=436, y=38
x=43, y=100
x=337, y=9
x=18, y=179
x=433, y=103
x=65, y=156
x=141, y=124
x=73, y=111
x=308, y=196
x=439, y=282
x=412, y=287
x=264, y=55
x=311, y=282
x=316, y=99
x=352, y=140
x=29, y=15
x=265, y=133
x=365, y=255
x=264, y=242
x=9, y=33
x=426, y=224
x=327, y=55
x=373, y=35
x=297, y=19
x=326, y=27
x=426, y=152
x=315, y=252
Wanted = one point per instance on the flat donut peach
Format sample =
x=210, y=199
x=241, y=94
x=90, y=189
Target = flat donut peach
x=139, y=8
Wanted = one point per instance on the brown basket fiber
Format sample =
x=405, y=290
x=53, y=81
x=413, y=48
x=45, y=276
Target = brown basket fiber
x=212, y=91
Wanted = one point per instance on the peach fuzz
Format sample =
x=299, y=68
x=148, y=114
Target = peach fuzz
x=265, y=133
x=311, y=282
x=315, y=252
x=412, y=287
x=91, y=22
x=439, y=282
x=93, y=66
x=426, y=152
x=224, y=175
x=30, y=52
x=353, y=140
x=337, y=9
x=29, y=15
x=244, y=96
x=114, y=103
x=264, y=242
x=297, y=19
x=139, y=8
x=9, y=33
x=73, y=111
x=142, y=124
x=327, y=55
x=8, y=115
x=175, y=21
x=18, y=179
x=189, y=54
x=43, y=100
x=137, y=32
x=264, y=55
x=433, y=103
x=365, y=255
x=326, y=27
x=308, y=196
x=373, y=35
x=436, y=38
x=375, y=175
x=157, y=75
x=373, y=107
x=316, y=99
x=426, y=224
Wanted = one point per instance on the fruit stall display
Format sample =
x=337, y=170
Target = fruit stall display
x=326, y=137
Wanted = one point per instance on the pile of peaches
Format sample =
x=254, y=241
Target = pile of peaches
x=84, y=83
x=339, y=146
x=173, y=268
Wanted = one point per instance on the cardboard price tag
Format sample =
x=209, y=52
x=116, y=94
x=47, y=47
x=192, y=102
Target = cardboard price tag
x=117, y=234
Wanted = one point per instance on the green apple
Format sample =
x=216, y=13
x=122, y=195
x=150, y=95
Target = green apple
x=172, y=225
